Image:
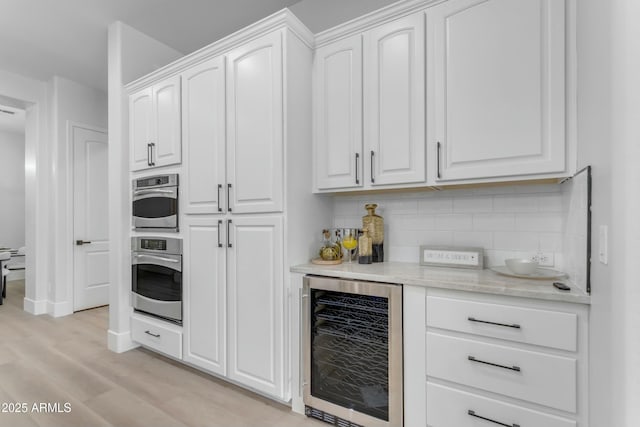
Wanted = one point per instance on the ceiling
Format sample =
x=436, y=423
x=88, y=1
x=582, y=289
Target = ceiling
x=43, y=38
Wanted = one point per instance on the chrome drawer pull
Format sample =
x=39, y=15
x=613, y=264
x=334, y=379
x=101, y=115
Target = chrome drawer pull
x=473, y=319
x=152, y=334
x=473, y=414
x=511, y=368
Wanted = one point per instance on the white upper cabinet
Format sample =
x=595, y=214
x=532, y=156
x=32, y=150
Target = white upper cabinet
x=140, y=129
x=369, y=108
x=394, y=102
x=497, y=75
x=204, y=136
x=154, y=125
x=338, y=114
x=255, y=142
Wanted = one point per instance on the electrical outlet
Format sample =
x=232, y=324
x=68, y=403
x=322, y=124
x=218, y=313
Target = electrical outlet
x=544, y=259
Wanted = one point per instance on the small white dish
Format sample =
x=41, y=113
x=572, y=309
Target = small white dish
x=538, y=274
x=521, y=265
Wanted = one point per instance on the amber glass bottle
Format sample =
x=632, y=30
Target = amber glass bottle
x=376, y=231
x=364, y=246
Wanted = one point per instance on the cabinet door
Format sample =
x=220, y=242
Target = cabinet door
x=140, y=129
x=166, y=122
x=338, y=115
x=255, y=126
x=256, y=304
x=205, y=294
x=499, y=84
x=203, y=130
x=394, y=102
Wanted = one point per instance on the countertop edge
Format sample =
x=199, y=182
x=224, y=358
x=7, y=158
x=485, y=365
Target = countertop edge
x=569, y=297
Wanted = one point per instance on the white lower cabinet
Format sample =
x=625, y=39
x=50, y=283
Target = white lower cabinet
x=494, y=360
x=256, y=303
x=205, y=295
x=448, y=407
x=234, y=299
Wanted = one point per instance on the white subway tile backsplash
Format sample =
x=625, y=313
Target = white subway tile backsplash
x=482, y=239
x=515, y=241
x=540, y=222
x=435, y=205
x=441, y=238
x=515, y=203
x=550, y=242
x=402, y=253
x=473, y=204
x=551, y=202
x=454, y=222
x=507, y=221
x=494, y=222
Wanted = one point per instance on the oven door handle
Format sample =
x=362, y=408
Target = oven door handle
x=159, y=258
x=153, y=191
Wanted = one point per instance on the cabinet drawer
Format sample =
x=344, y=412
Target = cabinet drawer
x=528, y=375
x=158, y=336
x=448, y=407
x=532, y=326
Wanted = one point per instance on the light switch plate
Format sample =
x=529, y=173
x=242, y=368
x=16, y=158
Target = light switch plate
x=447, y=256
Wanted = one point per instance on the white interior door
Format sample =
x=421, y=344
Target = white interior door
x=90, y=218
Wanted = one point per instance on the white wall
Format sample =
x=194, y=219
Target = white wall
x=70, y=102
x=321, y=15
x=12, y=190
x=608, y=137
x=132, y=54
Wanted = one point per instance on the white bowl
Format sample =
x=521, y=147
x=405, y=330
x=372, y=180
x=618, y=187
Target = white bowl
x=521, y=265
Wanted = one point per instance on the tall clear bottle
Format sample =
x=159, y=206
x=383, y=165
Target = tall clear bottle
x=376, y=232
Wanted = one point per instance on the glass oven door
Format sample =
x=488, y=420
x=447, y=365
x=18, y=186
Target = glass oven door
x=156, y=282
x=155, y=208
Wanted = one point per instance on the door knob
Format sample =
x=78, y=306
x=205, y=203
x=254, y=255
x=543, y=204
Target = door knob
x=82, y=242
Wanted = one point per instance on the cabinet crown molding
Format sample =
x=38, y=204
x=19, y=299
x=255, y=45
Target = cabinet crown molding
x=372, y=19
x=279, y=20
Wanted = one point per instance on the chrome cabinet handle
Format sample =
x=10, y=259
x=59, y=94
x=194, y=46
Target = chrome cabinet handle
x=228, y=197
x=438, y=158
x=219, y=190
x=149, y=154
x=372, y=179
x=511, y=368
x=219, y=227
x=229, y=244
x=152, y=145
x=473, y=414
x=82, y=242
x=514, y=325
x=152, y=334
x=357, y=161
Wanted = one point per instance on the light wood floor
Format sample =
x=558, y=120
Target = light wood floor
x=66, y=360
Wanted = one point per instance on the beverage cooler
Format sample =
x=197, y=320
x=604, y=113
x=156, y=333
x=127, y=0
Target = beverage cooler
x=352, y=348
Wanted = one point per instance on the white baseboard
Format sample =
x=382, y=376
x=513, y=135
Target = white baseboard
x=35, y=307
x=59, y=309
x=119, y=342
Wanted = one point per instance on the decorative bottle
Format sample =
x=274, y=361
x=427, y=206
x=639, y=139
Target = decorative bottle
x=364, y=246
x=376, y=232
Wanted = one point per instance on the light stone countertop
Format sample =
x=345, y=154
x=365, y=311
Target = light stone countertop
x=483, y=281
